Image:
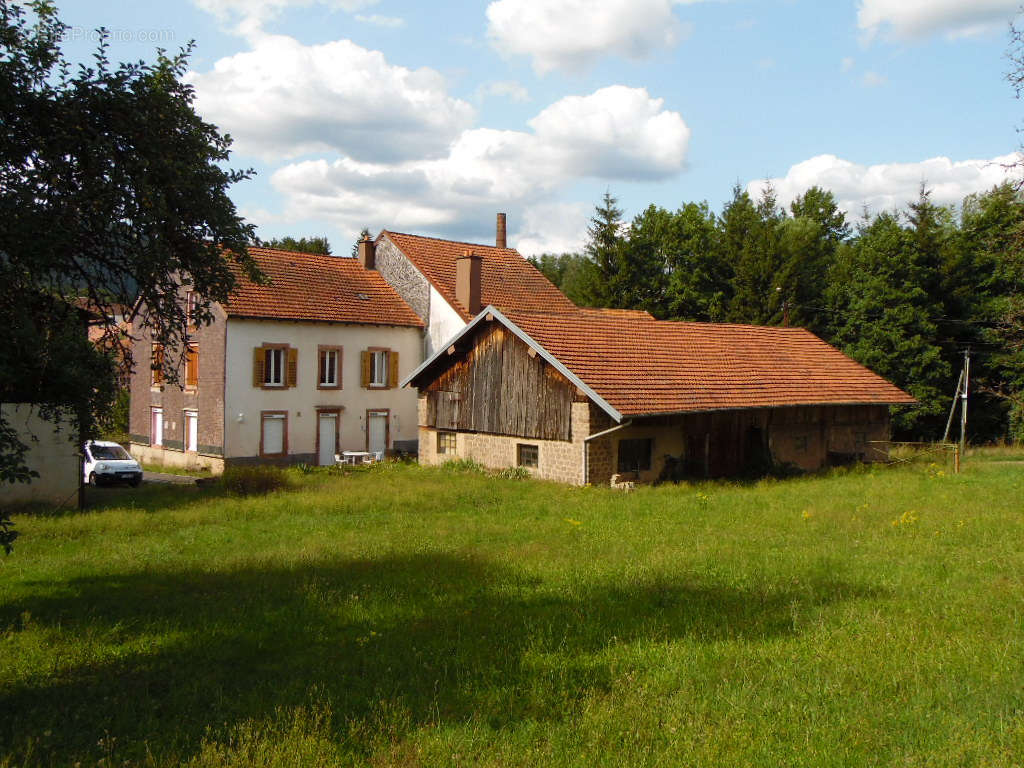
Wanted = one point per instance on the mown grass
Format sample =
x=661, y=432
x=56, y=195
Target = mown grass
x=405, y=616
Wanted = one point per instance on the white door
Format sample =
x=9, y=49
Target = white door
x=191, y=431
x=158, y=426
x=328, y=426
x=378, y=431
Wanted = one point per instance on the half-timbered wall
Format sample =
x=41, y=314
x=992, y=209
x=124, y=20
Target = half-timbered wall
x=497, y=387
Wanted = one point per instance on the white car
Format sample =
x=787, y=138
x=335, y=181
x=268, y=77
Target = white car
x=107, y=462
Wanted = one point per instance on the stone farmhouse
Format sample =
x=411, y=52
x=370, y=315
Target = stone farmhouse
x=598, y=396
x=294, y=371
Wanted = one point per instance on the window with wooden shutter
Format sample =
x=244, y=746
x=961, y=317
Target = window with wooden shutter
x=364, y=366
x=328, y=367
x=257, y=366
x=192, y=366
x=293, y=367
x=157, y=365
x=392, y=369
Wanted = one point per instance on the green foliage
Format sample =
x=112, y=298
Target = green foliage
x=115, y=425
x=302, y=245
x=254, y=480
x=112, y=189
x=463, y=466
x=573, y=274
x=363, y=234
x=514, y=473
x=403, y=619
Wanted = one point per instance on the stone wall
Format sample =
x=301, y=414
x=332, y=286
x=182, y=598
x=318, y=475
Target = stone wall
x=407, y=281
x=559, y=460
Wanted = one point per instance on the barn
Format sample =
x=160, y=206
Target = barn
x=590, y=397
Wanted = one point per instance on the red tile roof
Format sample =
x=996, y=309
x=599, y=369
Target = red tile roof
x=317, y=288
x=645, y=366
x=507, y=280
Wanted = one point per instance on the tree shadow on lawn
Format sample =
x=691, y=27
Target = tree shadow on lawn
x=437, y=637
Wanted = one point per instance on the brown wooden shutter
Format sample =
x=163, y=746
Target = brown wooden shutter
x=392, y=369
x=364, y=364
x=340, y=352
x=257, y=366
x=293, y=367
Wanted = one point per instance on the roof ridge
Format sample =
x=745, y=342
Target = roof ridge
x=447, y=240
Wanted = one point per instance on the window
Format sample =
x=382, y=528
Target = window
x=156, y=426
x=157, y=365
x=190, y=308
x=446, y=443
x=635, y=455
x=329, y=368
x=273, y=433
x=380, y=368
x=274, y=365
x=527, y=455
x=192, y=366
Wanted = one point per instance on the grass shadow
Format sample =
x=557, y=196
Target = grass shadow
x=440, y=638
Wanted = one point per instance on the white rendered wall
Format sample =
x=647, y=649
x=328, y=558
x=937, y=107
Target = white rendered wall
x=444, y=323
x=241, y=398
x=53, y=454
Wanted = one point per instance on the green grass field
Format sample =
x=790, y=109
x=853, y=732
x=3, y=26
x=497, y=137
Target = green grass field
x=405, y=616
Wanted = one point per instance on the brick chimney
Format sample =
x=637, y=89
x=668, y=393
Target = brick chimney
x=367, y=253
x=499, y=239
x=467, y=281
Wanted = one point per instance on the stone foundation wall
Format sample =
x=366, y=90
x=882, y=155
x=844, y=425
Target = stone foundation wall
x=558, y=460
x=169, y=457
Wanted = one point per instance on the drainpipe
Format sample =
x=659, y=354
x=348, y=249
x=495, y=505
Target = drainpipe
x=586, y=456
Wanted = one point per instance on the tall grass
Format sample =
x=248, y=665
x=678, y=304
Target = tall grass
x=405, y=616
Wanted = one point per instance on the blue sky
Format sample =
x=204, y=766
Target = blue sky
x=429, y=118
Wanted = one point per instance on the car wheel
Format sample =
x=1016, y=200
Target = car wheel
x=93, y=480
x=135, y=483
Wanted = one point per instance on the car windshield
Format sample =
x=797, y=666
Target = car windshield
x=108, y=452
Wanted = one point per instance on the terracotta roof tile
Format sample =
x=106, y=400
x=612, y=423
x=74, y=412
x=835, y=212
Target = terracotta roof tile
x=645, y=366
x=507, y=280
x=313, y=287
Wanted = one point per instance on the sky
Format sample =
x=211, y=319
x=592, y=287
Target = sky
x=430, y=118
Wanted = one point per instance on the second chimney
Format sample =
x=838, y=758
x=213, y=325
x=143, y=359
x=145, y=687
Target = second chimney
x=367, y=253
x=467, y=281
x=499, y=238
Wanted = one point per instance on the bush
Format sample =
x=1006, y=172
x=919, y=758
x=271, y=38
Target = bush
x=514, y=473
x=462, y=465
x=248, y=481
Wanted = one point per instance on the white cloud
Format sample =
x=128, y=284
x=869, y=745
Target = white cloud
x=890, y=186
x=508, y=89
x=616, y=133
x=552, y=228
x=846, y=64
x=873, y=79
x=283, y=99
x=907, y=19
x=572, y=34
x=250, y=15
x=377, y=20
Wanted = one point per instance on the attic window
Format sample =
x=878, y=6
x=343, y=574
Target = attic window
x=362, y=296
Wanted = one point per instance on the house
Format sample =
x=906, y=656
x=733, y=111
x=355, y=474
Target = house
x=447, y=282
x=584, y=396
x=293, y=371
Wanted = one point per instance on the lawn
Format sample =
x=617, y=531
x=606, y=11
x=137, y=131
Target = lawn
x=406, y=616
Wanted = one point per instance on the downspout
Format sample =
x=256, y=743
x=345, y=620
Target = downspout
x=586, y=456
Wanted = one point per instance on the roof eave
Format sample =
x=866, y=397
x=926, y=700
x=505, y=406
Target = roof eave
x=529, y=341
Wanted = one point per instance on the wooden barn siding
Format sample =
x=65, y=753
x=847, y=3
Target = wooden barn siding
x=496, y=387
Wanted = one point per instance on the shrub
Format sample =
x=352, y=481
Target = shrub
x=248, y=481
x=462, y=465
x=514, y=473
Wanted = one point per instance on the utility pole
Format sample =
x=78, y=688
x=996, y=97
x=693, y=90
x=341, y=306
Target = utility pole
x=963, y=401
